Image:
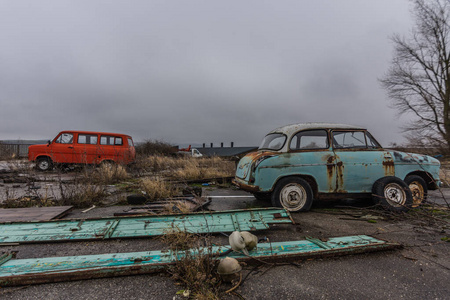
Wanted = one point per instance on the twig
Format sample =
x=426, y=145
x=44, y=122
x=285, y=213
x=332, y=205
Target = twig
x=237, y=285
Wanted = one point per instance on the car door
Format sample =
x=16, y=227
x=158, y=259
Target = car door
x=310, y=154
x=61, y=150
x=360, y=161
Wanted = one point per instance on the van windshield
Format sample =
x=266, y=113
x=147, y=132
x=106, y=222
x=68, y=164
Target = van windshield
x=273, y=141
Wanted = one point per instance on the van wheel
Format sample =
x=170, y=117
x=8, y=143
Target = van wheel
x=392, y=193
x=418, y=189
x=293, y=194
x=44, y=164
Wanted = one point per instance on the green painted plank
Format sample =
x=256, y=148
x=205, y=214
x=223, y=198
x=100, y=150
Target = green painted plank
x=52, y=269
x=125, y=227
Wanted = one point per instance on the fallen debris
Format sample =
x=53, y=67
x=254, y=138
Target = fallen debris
x=15, y=272
x=143, y=226
x=170, y=205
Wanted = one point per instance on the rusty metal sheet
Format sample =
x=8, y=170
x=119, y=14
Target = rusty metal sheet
x=143, y=226
x=52, y=269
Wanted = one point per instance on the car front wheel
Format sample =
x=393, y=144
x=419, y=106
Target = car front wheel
x=293, y=193
x=418, y=189
x=44, y=164
x=392, y=193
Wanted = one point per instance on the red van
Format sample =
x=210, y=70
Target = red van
x=83, y=147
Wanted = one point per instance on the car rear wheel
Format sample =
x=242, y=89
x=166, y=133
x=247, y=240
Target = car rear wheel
x=293, y=194
x=418, y=189
x=44, y=164
x=392, y=193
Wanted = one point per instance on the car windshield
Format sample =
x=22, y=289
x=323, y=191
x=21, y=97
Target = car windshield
x=273, y=141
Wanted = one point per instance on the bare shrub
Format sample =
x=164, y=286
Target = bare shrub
x=6, y=151
x=82, y=195
x=155, y=147
x=195, y=268
x=157, y=188
x=177, y=239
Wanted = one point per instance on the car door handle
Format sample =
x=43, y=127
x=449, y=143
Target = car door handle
x=70, y=147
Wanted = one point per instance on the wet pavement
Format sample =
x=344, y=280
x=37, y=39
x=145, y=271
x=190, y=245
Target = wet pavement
x=418, y=271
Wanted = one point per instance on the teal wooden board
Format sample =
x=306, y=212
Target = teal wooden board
x=126, y=227
x=52, y=269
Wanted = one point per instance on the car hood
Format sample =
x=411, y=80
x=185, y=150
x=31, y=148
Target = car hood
x=408, y=158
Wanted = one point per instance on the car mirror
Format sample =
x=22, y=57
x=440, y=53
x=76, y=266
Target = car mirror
x=48, y=143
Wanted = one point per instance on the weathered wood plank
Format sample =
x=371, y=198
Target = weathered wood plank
x=33, y=213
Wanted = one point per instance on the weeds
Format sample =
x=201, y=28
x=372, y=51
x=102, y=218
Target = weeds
x=82, y=195
x=107, y=174
x=157, y=188
x=155, y=147
x=195, y=268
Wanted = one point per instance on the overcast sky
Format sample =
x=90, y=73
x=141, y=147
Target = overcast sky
x=196, y=71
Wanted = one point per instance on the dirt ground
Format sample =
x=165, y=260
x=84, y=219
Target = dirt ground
x=420, y=270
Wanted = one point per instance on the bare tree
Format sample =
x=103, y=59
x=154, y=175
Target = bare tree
x=418, y=80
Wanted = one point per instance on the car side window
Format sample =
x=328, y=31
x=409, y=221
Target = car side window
x=349, y=139
x=310, y=139
x=87, y=139
x=371, y=142
x=65, y=138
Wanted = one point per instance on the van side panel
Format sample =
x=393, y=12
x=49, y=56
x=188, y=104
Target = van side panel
x=86, y=147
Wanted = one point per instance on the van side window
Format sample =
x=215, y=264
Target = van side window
x=106, y=140
x=110, y=140
x=87, y=139
x=130, y=142
x=65, y=138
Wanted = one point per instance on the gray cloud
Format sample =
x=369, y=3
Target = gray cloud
x=195, y=71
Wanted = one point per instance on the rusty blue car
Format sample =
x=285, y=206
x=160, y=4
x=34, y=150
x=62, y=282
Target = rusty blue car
x=298, y=163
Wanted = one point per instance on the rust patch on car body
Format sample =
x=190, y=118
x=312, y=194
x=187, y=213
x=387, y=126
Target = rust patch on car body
x=389, y=168
x=340, y=178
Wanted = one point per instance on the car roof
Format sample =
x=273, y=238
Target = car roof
x=293, y=128
x=93, y=132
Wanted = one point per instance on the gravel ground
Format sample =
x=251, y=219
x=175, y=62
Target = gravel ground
x=418, y=271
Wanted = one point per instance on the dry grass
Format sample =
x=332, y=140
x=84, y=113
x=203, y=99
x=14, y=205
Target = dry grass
x=82, y=195
x=195, y=269
x=178, y=240
x=107, y=174
x=179, y=207
x=204, y=168
x=157, y=188
x=444, y=174
x=187, y=168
